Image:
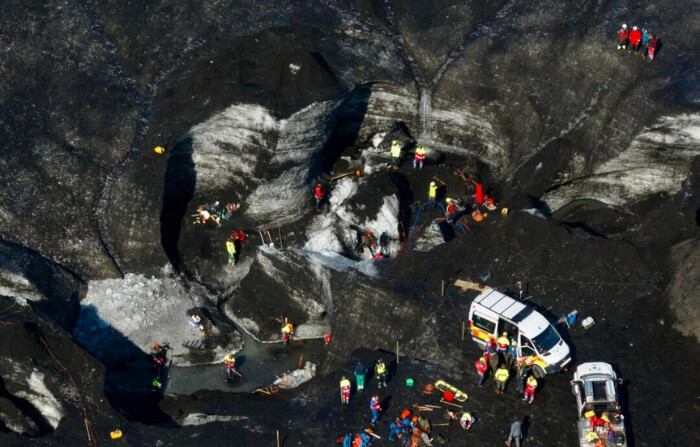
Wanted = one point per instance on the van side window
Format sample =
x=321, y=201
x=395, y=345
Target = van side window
x=483, y=323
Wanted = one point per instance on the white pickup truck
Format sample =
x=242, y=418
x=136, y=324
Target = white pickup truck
x=600, y=422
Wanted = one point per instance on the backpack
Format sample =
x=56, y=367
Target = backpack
x=241, y=235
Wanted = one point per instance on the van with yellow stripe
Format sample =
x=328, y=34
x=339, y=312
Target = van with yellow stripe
x=539, y=344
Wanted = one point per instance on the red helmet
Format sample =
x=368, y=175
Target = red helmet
x=156, y=346
x=368, y=234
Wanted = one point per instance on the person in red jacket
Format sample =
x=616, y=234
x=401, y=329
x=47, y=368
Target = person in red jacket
x=622, y=37
x=319, y=195
x=451, y=211
x=482, y=369
x=635, y=39
x=651, y=48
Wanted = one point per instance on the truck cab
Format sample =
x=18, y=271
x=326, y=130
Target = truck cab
x=539, y=344
x=600, y=422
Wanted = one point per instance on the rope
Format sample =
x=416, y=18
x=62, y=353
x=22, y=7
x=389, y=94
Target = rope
x=415, y=222
x=88, y=426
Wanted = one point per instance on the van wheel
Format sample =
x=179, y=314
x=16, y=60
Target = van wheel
x=538, y=372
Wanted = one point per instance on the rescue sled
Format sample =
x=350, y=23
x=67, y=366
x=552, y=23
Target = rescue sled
x=459, y=395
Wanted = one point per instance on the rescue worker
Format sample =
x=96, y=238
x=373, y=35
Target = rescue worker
x=501, y=376
x=503, y=343
x=230, y=362
x=622, y=37
x=482, y=369
x=491, y=353
x=512, y=354
x=635, y=39
x=367, y=240
x=466, y=421
x=231, y=251
x=530, y=387
x=326, y=339
x=651, y=48
x=451, y=211
x=156, y=385
x=376, y=409
x=202, y=216
x=432, y=194
x=396, y=154
x=196, y=321
x=522, y=372
x=287, y=331
x=419, y=157
x=360, y=371
x=345, y=387
x=319, y=195
x=380, y=373
x=395, y=430
x=347, y=440
x=515, y=432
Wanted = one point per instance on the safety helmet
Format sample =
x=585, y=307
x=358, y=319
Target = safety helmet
x=432, y=183
x=448, y=200
x=156, y=346
x=634, y=28
x=394, y=142
x=514, y=343
x=482, y=359
x=368, y=234
x=505, y=334
x=624, y=25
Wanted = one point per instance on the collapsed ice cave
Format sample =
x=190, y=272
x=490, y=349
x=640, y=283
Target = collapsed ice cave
x=592, y=152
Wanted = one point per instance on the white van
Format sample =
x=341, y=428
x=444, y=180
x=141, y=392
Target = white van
x=539, y=343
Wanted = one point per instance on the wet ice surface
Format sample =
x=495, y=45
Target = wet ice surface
x=259, y=363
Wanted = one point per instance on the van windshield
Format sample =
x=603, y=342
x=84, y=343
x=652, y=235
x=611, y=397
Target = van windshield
x=546, y=340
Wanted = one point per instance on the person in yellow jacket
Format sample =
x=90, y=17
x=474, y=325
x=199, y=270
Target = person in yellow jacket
x=501, y=376
x=396, y=154
x=231, y=250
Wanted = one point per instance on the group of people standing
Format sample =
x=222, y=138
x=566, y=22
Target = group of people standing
x=635, y=39
x=500, y=356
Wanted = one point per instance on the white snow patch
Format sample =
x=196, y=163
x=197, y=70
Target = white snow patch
x=201, y=419
x=297, y=377
x=144, y=311
x=227, y=147
x=286, y=197
x=340, y=263
x=387, y=220
x=658, y=160
x=39, y=395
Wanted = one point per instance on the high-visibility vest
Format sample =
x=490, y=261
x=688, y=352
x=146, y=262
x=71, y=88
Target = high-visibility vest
x=532, y=382
x=432, y=192
x=396, y=150
x=230, y=359
x=503, y=343
x=502, y=374
x=420, y=153
x=230, y=247
x=381, y=368
x=345, y=383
